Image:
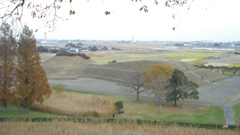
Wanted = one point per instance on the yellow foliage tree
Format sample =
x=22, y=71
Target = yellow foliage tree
x=157, y=78
x=31, y=80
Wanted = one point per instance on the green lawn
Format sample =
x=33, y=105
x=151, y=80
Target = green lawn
x=19, y=112
x=146, y=110
x=236, y=113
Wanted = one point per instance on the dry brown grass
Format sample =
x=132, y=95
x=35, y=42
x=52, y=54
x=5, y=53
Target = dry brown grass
x=75, y=104
x=94, y=128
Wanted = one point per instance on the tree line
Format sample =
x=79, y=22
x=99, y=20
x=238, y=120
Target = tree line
x=164, y=82
x=23, y=80
x=222, y=69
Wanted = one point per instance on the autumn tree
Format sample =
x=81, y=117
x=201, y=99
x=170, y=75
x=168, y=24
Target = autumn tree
x=31, y=83
x=181, y=88
x=7, y=65
x=135, y=82
x=157, y=78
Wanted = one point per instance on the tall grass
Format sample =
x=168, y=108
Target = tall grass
x=75, y=104
x=95, y=128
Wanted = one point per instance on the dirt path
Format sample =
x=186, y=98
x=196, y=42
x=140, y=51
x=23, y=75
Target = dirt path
x=228, y=112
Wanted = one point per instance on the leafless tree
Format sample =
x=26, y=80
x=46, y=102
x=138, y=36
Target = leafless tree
x=12, y=11
x=135, y=81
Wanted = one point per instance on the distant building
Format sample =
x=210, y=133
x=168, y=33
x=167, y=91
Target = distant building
x=133, y=40
x=71, y=49
x=84, y=48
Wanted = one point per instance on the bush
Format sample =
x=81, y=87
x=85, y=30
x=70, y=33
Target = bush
x=119, y=105
x=95, y=114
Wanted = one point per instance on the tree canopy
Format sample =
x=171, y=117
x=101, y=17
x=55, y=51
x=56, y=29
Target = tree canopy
x=31, y=83
x=7, y=66
x=136, y=82
x=157, y=78
x=181, y=88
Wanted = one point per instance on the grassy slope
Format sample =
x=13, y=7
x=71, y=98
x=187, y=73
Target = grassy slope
x=236, y=113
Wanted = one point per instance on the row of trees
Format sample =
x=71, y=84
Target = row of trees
x=223, y=69
x=164, y=82
x=23, y=80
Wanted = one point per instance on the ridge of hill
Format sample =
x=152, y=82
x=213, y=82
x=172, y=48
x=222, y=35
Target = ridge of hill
x=63, y=67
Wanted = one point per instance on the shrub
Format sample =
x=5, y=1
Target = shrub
x=95, y=114
x=119, y=105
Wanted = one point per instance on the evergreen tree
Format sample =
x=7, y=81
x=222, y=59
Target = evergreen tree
x=31, y=83
x=181, y=88
x=7, y=57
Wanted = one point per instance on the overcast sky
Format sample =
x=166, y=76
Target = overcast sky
x=217, y=20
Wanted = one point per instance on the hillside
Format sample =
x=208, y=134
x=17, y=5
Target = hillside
x=73, y=67
x=62, y=66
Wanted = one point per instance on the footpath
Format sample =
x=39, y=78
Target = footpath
x=229, y=113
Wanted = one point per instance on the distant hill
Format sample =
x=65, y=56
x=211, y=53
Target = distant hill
x=74, y=67
x=62, y=66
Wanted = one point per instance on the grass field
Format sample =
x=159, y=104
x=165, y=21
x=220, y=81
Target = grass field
x=198, y=56
x=190, y=55
x=234, y=65
x=95, y=128
x=140, y=55
x=191, y=113
x=236, y=113
x=148, y=110
x=19, y=112
x=75, y=104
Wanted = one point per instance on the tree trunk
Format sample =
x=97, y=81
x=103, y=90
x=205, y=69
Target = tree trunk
x=26, y=110
x=4, y=106
x=183, y=105
x=137, y=96
x=175, y=102
x=160, y=105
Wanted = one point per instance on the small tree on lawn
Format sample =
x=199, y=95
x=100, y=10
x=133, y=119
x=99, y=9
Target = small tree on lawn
x=181, y=88
x=31, y=80
x=119, y=105
x=157, y=78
